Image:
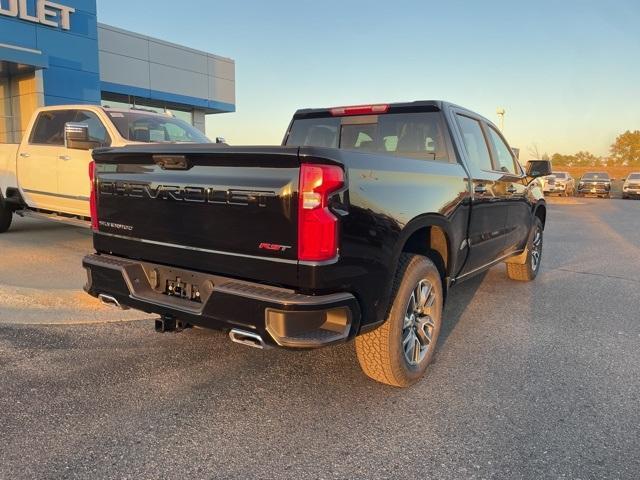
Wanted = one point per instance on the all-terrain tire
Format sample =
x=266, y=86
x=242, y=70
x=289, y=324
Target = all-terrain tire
x=382, y=353
x=6, y=215
x=529, y=270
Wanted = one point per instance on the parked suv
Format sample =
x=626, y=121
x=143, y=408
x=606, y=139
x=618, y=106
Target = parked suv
x=631, y=187
x=564, y=184
x=595, y=183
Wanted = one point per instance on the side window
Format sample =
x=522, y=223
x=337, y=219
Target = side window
x=97, y=131
x=504, y=159
x=474, y=143
x=49, y=127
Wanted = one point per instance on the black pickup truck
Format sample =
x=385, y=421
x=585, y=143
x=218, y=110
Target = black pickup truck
x=355, y=227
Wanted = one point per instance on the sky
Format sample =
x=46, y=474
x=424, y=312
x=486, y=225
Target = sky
x=567, y=72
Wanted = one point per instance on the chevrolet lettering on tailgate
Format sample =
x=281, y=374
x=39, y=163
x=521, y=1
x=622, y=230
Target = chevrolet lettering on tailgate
x=187, y=193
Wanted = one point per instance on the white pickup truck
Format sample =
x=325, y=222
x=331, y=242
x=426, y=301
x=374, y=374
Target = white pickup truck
x=46, y=175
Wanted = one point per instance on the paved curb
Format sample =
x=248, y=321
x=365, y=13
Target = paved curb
x=564, y=201
x=31, y=306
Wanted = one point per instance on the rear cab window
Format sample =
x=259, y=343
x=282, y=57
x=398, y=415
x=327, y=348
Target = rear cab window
x=421, y=135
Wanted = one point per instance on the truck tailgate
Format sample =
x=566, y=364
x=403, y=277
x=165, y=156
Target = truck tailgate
x=232, y=211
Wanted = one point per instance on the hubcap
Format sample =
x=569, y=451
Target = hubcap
x=536, y=250
x=418, y=327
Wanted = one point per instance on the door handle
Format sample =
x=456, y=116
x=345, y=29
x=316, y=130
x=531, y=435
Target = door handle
x=64, y=157
x=512, y=190
x=480, y=189
x=25, y=155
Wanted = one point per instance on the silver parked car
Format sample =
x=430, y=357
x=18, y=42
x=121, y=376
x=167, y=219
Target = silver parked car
x=631, y=186
x=561, y=183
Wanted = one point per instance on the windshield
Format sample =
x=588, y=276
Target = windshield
x=634, y=176
x=149, y=128
x=596, y=176
x=560, y=175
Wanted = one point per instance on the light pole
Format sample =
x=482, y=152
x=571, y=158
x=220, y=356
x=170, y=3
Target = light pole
x=501, y=112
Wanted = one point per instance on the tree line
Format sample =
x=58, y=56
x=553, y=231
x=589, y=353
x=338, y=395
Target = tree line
x=625, y=151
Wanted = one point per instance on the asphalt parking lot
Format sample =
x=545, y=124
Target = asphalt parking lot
x=535, y=380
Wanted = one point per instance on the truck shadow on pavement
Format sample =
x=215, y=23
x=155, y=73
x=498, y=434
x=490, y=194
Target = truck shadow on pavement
x=197, y=390
x=196, y=381
x=460, y=296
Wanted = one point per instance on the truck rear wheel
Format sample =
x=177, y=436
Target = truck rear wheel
x=529, y=270
x=6, y=215
x=399, y=351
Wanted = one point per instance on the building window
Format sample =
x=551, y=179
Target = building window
x=115, y=100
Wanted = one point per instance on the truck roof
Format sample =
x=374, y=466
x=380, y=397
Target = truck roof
x=141, y=111
x=420, y=105
x=98, y=107
x=398, y=107
x=417, y=106
x=69, y=107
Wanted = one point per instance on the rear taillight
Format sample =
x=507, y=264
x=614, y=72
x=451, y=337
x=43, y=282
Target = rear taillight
x=359, y=110
x=93, y=207
x=317, y=226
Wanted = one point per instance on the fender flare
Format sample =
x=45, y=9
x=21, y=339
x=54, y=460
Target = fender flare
x=415, y=224
x=540, y=204
x=418, y=223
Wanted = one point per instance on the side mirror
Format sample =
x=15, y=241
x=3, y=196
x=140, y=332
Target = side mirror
x=220, y=140
x=538, y=168
x=76, y=136
x=613, y=179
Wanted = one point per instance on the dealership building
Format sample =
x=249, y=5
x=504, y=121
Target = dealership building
x=56, y=53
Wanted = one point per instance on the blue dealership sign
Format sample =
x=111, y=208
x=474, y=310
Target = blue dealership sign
x=61, y=38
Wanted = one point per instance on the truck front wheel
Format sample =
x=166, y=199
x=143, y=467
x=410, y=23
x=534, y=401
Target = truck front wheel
x=399, y=351
x=529, y=270
x=6, y=215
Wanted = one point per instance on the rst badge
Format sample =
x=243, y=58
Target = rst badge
x=274, y=247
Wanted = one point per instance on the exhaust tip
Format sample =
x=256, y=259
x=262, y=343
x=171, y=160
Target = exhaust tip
x=248, y=339
x=110, y=301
